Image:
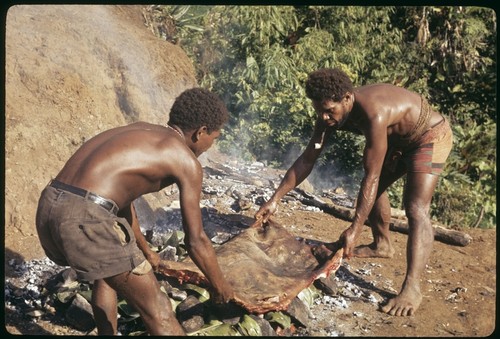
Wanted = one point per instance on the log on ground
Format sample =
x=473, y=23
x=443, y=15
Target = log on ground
x=442, y=234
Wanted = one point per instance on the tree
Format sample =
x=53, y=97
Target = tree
x=258, y=57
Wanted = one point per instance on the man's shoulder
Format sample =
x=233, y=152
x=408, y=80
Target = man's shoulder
x=377, y=96
x=179, y=154
x=381, y=86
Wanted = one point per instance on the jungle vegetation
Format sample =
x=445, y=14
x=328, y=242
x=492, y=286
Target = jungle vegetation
x=258, y=57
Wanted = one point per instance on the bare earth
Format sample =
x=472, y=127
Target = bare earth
x=469, y=271
x=459, y=286
x=50, y=110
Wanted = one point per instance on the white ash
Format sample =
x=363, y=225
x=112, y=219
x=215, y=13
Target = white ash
x=312, y=209
x=337, y=301
x=24, y=289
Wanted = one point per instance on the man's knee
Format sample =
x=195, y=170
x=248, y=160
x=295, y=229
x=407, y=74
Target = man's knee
x=417, y=211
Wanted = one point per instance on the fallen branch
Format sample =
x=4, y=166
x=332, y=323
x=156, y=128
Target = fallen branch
x=445, y=235
x=442, y=234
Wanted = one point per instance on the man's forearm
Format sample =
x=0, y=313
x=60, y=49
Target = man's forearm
x=286, y=185
x=366, y=199
x=203, y=255
x=139, y=237
x=293, y=177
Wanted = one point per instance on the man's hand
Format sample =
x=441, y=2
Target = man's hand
x=348, y=238
x=223, y=296
x=266, y=210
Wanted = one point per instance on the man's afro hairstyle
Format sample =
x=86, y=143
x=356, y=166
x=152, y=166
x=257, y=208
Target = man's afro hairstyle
x=328, y=83
x=198, y=107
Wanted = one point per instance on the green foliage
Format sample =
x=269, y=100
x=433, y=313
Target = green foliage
x=258, y=57
x=466, y=195
x=127, y=312
x=309, y=294
x=218, y=329
x=249, y=327
x=279, y=318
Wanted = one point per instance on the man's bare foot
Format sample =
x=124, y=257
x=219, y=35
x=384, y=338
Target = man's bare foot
x=373, y=251
x=405, y=304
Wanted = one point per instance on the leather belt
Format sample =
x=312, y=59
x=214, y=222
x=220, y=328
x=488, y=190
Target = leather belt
x=107, y=204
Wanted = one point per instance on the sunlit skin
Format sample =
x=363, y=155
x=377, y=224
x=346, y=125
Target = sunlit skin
x=333, y=114
x=123, y=164
x=383, y=113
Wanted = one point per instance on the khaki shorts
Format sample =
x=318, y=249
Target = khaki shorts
x=76, y=232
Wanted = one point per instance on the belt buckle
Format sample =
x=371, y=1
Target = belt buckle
x=104, y=203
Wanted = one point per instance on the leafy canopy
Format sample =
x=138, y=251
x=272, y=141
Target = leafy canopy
x=258, y=57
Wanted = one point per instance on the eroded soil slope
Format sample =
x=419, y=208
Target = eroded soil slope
x=72, y=72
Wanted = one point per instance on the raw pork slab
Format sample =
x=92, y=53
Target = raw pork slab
x=266, y=266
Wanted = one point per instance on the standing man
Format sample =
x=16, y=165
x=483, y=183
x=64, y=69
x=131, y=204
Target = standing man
x=86, y=217
x=404, y=135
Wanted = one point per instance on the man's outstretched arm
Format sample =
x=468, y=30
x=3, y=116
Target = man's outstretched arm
x=298, y=172
x=198, y=244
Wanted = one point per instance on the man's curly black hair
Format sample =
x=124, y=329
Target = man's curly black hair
x=198, y=107
x=328, y=83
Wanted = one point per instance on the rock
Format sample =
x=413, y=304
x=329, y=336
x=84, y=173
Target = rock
x=35, y=313
x=328, y=285
x=173, y=292
x=64, y=280
x=306, y=186
x=168, y=253
x=190, y=306
x=265, y=326
x=300, y=312
x=177, y=294
x=68, y=277
x=79, y=314
x=229, y=313
x=190, y=314
x=193, y=324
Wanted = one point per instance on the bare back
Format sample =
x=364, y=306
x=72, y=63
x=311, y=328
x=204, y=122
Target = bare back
x=126, y=162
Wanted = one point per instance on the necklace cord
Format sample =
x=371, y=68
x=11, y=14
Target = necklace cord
x=176, y=131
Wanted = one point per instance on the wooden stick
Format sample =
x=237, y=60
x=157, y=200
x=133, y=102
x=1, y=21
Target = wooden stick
x=442, y=234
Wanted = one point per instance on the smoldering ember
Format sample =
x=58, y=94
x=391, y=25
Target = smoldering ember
x=232, y=192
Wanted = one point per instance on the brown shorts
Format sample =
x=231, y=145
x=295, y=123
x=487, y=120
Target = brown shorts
x=77, y=232
x=427, y=154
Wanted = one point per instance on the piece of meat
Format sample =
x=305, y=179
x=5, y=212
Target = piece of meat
x=266, y=266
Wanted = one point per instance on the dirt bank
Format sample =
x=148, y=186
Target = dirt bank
x=71, y=72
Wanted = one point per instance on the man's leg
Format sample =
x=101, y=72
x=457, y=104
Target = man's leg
x=104, y=306
x=380, y=218
x=143, y=293
x=417, y=199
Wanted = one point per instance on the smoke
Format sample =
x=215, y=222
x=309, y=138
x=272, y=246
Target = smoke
x=328, y=178
x=324, y=176
x=133, y=62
